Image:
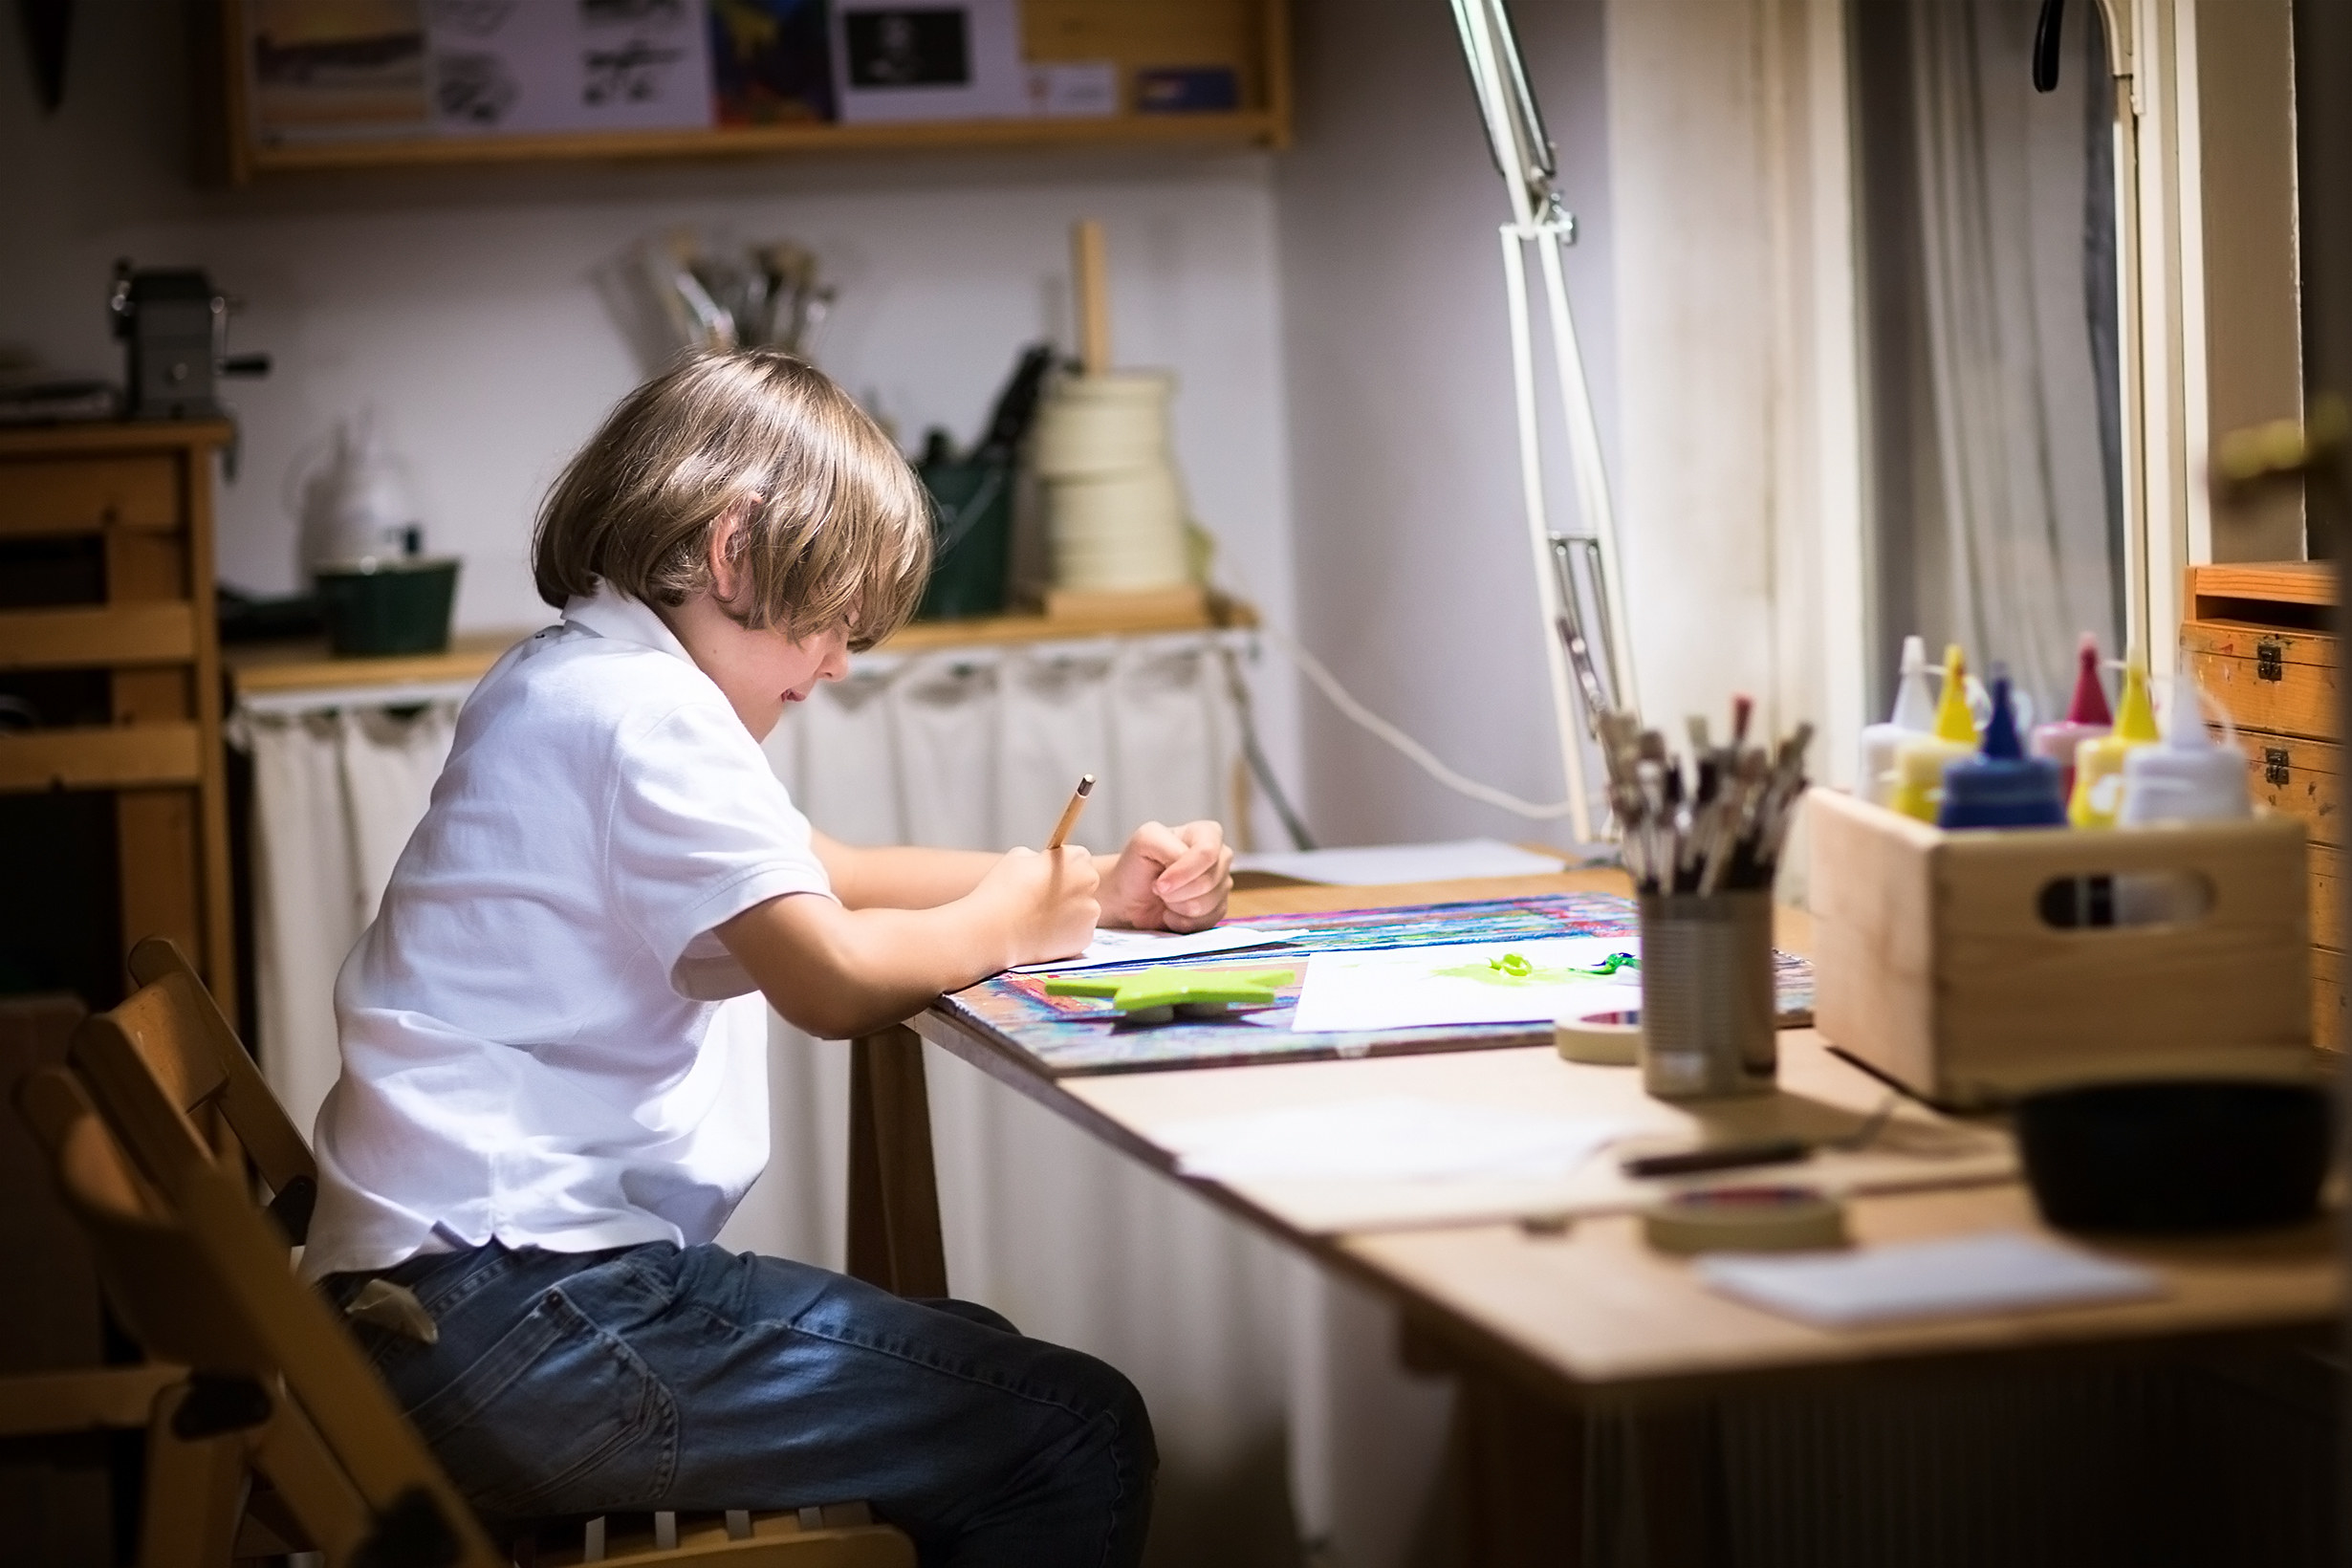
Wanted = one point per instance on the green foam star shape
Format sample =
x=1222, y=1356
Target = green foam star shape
x=1158, y=994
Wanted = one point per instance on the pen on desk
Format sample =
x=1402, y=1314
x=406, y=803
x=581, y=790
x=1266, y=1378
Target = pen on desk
x=1777, y=1151
x=1070, y=812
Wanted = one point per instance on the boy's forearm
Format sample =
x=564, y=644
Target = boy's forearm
x=837, y=973
x=899, y=877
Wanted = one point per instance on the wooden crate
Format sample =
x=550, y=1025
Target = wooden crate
x=1935, y=966
x=2260, y=639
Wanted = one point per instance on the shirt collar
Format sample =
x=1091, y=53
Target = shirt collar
x=612, y=614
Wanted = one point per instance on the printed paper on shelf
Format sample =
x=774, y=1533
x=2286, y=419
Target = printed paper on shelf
x=567, y=65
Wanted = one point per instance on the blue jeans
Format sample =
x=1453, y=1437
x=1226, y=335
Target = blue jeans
x=656, y=1376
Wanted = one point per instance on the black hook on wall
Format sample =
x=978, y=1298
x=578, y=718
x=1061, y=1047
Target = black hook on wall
x=2046, y=45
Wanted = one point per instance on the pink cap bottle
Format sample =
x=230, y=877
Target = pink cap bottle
x=2087, y=717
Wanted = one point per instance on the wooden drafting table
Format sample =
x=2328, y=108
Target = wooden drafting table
x=1535, y=1318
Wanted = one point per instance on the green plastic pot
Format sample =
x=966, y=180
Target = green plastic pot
x=388, y=604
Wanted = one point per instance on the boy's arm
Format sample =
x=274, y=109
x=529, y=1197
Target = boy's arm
x=1175, y=878
x=900, y=876
x=837, y=971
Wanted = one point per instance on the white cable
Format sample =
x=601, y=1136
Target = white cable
x=1419, y=754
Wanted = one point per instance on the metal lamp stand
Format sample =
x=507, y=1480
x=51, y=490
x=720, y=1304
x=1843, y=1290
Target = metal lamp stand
x=1523, y=156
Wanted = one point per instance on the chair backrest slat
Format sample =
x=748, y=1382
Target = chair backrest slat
x=227, y=1078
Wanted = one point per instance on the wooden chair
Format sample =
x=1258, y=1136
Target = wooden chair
x=165, y=1056
x=165, y=1063
x=200, y=1278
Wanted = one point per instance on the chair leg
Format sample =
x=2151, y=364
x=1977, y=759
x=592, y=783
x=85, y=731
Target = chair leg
x=195, y=1490
x=894, y=1236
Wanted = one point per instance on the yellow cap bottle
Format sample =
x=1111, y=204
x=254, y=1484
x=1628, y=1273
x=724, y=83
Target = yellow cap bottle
x=1919, y=764
x=1953, y=722
x=2098, y=764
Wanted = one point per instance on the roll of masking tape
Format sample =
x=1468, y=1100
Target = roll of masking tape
x=1745, y=1219
x=1601, y=1039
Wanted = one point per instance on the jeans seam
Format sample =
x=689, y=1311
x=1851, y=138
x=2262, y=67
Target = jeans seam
x=893, y=1352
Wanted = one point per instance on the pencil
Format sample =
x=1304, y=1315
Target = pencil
x=1070, y=812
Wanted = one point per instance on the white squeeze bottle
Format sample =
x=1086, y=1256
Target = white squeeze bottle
x=2186, y=777
x=1914, y=716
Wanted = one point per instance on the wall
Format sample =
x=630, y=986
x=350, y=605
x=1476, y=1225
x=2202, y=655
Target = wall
x=1412, y=547
x=464, y=306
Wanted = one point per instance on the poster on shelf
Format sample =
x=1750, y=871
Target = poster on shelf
x=521, y=67
x=771, y=63
x=336, y=70
x=951, y=60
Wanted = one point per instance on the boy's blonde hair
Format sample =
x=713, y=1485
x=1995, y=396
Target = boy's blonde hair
x=836, y=530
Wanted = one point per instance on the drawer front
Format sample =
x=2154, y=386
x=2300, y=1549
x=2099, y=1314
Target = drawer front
x=2328, y=998
x=2270, y=694
x=2297, y=776
x=88, y=494
x=2326, y=896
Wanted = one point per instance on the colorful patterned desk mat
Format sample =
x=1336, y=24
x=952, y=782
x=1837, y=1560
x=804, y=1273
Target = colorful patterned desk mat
x=1069, y=1035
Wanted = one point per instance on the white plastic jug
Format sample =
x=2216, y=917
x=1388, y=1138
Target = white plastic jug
x=356, y=503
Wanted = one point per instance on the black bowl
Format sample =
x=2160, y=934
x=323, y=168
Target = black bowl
x=2175, y=1156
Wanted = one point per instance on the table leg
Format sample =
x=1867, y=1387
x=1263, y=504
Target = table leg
x=894, y=1238
x=1519, y=1475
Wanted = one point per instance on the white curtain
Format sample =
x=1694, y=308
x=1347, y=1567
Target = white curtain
x=2005, y=219
x=1280, y=1410
x=335, y=796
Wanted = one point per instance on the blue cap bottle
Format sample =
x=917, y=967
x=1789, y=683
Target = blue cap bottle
x=2001, y=787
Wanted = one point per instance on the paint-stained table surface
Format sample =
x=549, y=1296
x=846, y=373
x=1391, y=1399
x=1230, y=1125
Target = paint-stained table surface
x=1589, y=1310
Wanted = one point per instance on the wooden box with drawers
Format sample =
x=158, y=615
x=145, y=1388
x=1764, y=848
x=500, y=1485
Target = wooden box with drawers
x=2258, y=638
x=111, y=678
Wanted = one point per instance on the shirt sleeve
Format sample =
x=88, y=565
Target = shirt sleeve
x=699, y=831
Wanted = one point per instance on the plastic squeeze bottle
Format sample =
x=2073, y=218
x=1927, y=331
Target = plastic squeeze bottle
x=2098, y=764
x=1914, y=716
x=2087, y=718
x=2189, y=777
x=2001, y=787
x=1920, y=762
x=2186, y=778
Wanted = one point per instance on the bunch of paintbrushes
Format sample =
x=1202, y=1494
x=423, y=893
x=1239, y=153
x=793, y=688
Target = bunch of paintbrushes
x=1716, y=827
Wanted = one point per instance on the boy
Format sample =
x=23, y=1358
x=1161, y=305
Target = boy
x=553, y=1086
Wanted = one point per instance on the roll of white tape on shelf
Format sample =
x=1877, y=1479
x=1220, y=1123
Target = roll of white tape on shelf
x=1114, y=512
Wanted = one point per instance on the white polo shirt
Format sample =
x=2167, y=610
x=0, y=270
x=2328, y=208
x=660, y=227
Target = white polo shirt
x=538, y=1040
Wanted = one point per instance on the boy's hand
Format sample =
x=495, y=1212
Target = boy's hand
x=1171, y=879
x=1046, y=900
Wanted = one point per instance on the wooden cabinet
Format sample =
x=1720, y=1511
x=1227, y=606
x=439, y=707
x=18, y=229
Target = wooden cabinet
x=110, y=664
x=2258, y=640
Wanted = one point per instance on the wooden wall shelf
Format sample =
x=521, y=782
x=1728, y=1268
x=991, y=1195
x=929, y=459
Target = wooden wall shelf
x=1252, y=35
x=271, y=669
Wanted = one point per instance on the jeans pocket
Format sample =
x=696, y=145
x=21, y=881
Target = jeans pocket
x=558, y=1417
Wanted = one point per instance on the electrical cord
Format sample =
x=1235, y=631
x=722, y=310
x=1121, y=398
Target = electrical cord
x=1420, y=755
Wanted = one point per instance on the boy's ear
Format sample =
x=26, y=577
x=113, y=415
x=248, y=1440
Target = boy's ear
x=726, y=574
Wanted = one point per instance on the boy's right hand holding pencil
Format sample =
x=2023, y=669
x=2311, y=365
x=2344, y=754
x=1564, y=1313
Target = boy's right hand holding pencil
x=913, y=923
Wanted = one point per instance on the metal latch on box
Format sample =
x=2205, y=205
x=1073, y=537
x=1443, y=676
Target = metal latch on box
x=2270, y=660
x=2275, y=765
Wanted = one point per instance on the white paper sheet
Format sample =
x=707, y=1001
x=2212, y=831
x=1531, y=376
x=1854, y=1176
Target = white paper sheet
x=1394, y=1138
x=1375, y=865
x=1113, y=946
x=1418, y=988
x=1999, y=1272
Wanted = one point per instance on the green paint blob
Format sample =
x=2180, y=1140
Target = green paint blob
x=1514, y=971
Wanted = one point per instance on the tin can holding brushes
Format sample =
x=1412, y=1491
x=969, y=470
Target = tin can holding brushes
x=1708, y=1028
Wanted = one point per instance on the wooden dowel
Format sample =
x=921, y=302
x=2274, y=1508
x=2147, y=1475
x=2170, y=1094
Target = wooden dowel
x=1089, y=276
